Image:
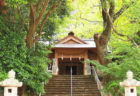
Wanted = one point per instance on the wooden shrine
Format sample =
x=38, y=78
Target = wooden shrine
x=72, y=52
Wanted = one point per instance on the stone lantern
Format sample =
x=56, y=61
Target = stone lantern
x=11, y=84
x=130, y=85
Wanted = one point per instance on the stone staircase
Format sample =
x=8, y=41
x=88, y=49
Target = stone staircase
x=82, y=86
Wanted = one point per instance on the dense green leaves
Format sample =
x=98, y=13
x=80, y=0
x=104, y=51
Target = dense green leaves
x=30, y=65
x=37, y=63
x=124, y=58
x=85, y=20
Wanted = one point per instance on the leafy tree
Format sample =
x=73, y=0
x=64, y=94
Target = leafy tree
x=120, y=31
x=30, y=65
x=34, y=14
x=124, y=42
x=84, y=20
x=39, y=16
x=124, y=57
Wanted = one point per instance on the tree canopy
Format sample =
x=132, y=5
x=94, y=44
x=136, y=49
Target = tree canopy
x=17, y=18
x=113, y=23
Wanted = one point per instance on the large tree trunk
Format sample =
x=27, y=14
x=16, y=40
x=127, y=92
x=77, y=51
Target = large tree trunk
x=109, y=17
x=24, y=91
x=101, y=40
x=30, y=36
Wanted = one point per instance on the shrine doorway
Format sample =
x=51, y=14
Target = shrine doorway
x=66, y=65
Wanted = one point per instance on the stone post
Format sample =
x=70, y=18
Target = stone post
x=130, y=85
x=54, y=67
x=88, y=69
x=11, y=84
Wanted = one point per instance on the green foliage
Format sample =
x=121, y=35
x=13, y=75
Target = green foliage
x=37, y=61
x=84, y=20
x=12, y=49
x=125, y=57
x=57, y=19
x=21, y=9
x=29, y=64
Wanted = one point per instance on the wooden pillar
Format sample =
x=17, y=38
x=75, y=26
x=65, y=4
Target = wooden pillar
x=85, y=64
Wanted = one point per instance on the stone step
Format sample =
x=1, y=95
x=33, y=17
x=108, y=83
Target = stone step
x=72, y=95
x=74, y=77
x=70, y=89
x=73, y=83
x=74, y=92
x=63, y=79
x=74, y=88
x=82, y=86
x=90, y=81
x=66, y=87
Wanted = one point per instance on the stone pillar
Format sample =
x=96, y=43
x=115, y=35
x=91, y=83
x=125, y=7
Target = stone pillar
x=88, y=69
x=55, y=67
x=11, y=84
x=130, y=85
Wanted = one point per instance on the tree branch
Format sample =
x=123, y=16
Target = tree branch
x=109, y=17
x=129, y=38
x=103, y=2
x=111, y=9
x=38, y=5
x=33, y=12
x=121, y=11
x=21, y=18
x=42, y=12
x=42, y=25
x=91, y=21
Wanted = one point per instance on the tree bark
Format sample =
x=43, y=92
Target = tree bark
x=100, y=51
x=35, y=20
x=24, y=91
x=101, y=40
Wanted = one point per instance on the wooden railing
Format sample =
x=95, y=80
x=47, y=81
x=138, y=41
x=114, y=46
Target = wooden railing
x=99, y=85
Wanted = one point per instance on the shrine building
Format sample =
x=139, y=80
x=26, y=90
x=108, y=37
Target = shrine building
x=72, y=52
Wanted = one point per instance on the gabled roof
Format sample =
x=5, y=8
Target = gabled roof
x=72, y=41
x=89, y=44
x=71, y=37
